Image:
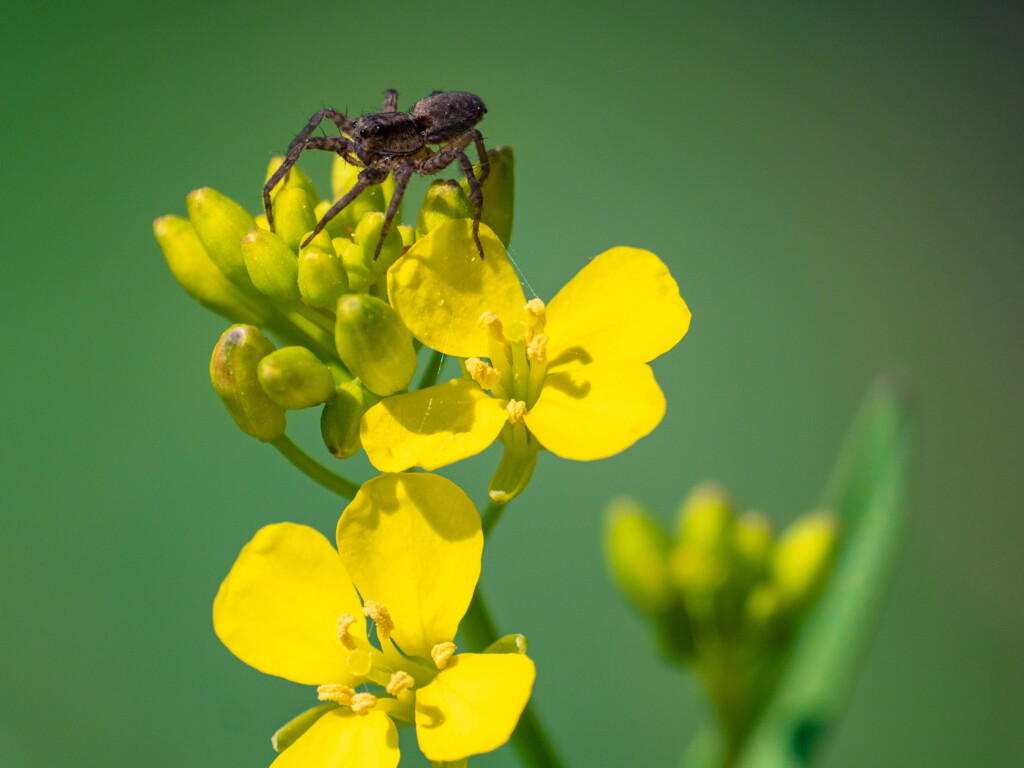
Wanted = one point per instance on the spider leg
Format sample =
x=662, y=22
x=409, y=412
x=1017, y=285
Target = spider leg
x=338, y=144
x=390, y=100
x=299, y=143
x=442, y=160
x=367, y=176
x=481, y=151
x=402, y=174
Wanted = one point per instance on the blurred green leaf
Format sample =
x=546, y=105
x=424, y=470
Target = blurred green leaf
x=869, y=490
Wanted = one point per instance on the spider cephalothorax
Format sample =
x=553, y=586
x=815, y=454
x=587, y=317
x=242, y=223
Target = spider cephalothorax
x=397, y=142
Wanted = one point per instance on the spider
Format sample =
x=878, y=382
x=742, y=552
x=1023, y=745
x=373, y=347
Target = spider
x=396, y=142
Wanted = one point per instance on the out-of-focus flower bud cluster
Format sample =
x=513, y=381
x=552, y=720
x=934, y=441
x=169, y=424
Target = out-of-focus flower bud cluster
x=340, y=346
x=724, y=594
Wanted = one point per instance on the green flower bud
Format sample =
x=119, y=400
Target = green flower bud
x=373, y=198
x=445, y=200
x=233, y=373
x=499, y=192
x=295, y=179
x=322, y=278
x=803, y=557
x=374, y=344
x=408, y=236
x=221, y=223
x=272, y=265
x=509, y=644
x=339, y=420
x=293, y=216
x=335, y=227
x=636, y=552
x=289, y=733
x=322, y=241
x=754, y=544
x=199, y=276
x=294, y=378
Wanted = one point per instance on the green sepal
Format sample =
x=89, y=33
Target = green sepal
x=636, y=553
x=322, y=278
x=339, y=420
x=509, y=644
x=221, y=223
x=293, y=216
x=290, y=732
x=294, y=378
x=499, y=190
x=271, y=264
x=374, y=344
x=295, y=179
x=233, y=372
x=445, y=200
x=200, y=277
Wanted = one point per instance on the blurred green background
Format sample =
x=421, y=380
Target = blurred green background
x=838, y=189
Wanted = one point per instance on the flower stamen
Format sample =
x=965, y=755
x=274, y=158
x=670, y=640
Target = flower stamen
x=537, y=349
x=363, y=703
x=516, y=411
x=482, y=373
x=441, y=652
x=535, y=315
x=336, y=692
x=345, y=621
x=491, y=323
x=399, y=682
x=381, y=617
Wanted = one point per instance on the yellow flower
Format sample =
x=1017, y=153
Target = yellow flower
x=571, y=376
x=410, y=547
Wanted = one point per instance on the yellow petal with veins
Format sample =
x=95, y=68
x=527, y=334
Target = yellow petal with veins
x=342, y=738
x=622, y=306
x=412, y=542
x=473, y=705
x=278, y=608
x=593, y=411
x=431, y=427
x=440, y=287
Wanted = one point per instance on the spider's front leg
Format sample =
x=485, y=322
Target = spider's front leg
x=301, y=142
x=446, y=157
x=402, y=174
x=390, y=100
x=369, y=175
x=481, y=152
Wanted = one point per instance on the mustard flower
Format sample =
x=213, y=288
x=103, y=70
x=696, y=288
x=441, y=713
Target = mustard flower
x=408, y=557
x=571, y=376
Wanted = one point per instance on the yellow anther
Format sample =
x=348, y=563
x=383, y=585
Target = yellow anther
x=363, y=703
x=516, y=410
x=535, y=315
x=345, y=621
x=482, y=373
x=492, y=324
x=399, y=682
x=381, y=617
x=336, y=692
x=440, y=653
x=537, y=349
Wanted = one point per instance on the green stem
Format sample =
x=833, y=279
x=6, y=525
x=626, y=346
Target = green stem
x=432, y=371
x=315, y=471
x=491, y=517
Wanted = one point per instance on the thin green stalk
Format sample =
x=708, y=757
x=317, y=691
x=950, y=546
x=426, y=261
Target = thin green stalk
x=315, y=471
x=491, y=517
x=432, y=371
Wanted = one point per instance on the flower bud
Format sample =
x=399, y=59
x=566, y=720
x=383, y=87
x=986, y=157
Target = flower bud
x=322, y=278
x=289, y=733
x=636, y=551
x=373, y=198
x=271, y=265
x=445, y=200
x=803, y=557
x=294, y=378
x=233, y=373
x=754, y=544
x=499, y=192
x=295, y=179
x=374, y=344
x=408, y=236
x=704, y=563
x=199, y=276
x=339, y=420
x=221, y=223
x=293, y=216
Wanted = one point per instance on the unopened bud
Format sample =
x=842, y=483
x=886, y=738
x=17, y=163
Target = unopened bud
x=374, y=344
x=221, y=223
x=804, y=556
x=322, y=278
x=233, y=371
x=499, y=192
x=408, y=235
x=373, y=198
x=294, y=378
x=366, y=237
x=200, y=277
x=295, y=178
x=271, y=265
x=293, y=216
x=704, y=559
x=339, y=421
x=754, y=543
x=636, y=552
x=445, y=200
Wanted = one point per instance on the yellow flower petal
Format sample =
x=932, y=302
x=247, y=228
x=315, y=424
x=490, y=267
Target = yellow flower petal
x=431, y=427
x=473, y=705
x=623, y=306
x=441, y=287
x=412, y=542
x=278, y=608
x=593, y=411
x=341, y=739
